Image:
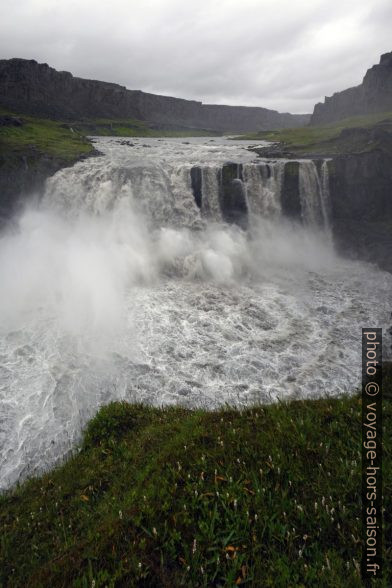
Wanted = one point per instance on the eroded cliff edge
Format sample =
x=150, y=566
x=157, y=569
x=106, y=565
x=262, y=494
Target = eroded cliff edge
x=373, y=95
x=361, y=200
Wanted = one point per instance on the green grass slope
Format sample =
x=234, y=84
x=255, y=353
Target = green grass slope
x=265, y=497
x=325, y=139
x=43, y=137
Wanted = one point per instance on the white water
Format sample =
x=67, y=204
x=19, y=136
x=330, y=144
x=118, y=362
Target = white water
x=264, y=185
x=118, y=287
x=210, y=189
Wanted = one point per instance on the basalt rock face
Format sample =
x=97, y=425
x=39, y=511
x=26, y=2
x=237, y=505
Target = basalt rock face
x=290, y=198
x=22, y=176
x=232, y=196
x=196, y=183
x=361, y=204
x=373, y=95
x=360, y=189
x=360, y=196
x=248, y=118
x=33, y=88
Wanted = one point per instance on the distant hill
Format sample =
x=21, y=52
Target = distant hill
x=35, y=88
x=373, y=95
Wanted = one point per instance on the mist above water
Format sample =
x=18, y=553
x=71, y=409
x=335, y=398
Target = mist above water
x=117, y=286
x=81, y=269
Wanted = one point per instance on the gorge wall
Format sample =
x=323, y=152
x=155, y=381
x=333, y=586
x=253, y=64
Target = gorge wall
x=23, y=177
x=360, y=202
x=373, y=95
x=35, y=88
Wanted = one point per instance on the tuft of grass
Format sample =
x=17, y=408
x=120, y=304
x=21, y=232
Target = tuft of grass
x=322, y=139
x=112, y=422
x=268, y=496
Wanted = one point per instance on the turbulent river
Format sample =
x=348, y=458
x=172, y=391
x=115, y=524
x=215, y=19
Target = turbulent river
x=125, y=282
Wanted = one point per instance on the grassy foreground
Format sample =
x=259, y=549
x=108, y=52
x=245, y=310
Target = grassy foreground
x=325, y=139
x=268, y=496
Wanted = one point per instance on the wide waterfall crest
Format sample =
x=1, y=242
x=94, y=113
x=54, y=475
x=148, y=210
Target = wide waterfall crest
x=174, y=192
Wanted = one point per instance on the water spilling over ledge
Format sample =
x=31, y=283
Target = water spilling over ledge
x=165, y=272
x=170, y=180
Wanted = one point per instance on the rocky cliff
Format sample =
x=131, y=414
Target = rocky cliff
x=23, y=176
x=373, y=95
x=361, y=202
x=360, y=187
x=35, y=88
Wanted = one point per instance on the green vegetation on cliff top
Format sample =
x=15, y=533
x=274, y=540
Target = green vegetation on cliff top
x=42, y=137
x=68, y=141
x=269, y=496
x=326, y=139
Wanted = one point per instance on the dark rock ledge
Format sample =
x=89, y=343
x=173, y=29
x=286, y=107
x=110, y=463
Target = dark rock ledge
x=23, y=174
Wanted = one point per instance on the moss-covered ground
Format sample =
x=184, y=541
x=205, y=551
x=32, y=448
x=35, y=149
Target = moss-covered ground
x=267, y=497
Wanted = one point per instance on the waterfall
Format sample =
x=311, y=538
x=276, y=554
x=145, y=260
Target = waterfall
x=210, y=182
x=116, y=286
x=263, y=184
x=179, y=194
x=163, y=194
x=314, y=194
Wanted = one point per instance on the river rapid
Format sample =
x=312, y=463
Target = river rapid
x=117, y=284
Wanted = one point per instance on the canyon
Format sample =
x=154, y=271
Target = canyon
x=35, y=88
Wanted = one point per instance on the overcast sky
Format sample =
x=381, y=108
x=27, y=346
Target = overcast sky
x=281, y=54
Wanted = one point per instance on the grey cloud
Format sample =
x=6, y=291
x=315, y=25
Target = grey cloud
x=285, y=55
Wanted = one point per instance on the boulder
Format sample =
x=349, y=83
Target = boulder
x=10, y=121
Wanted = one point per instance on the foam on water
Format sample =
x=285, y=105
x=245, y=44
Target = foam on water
x=118, y=287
